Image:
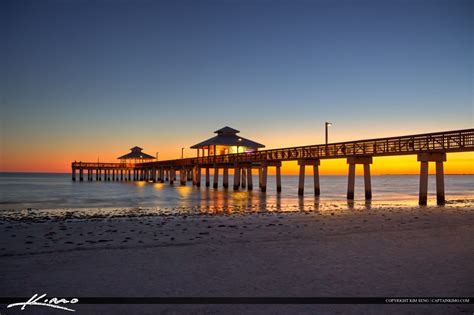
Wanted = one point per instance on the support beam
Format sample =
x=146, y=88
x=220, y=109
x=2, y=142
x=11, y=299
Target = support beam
x=216, y=177
x=225, y=178
x=423, y=196
x=264, y=178
x=424, y=159
x=302, y=163
x=97, y=174
x=190, y=175
x=81, y=174
x=182, y=176
x=367, y=182
x=353, y=161
x=171, y=178
x=208, y=177
x=301, y=180
x=198, y=176
x=73, y=173
x=243, y=182
x=317, y=190
x=351, y=182
x=236, y=177
x=249, y=179
x=440, y=199
x=278, y=178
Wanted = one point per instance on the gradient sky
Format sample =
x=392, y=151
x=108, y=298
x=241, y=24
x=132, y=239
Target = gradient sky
x=86, y=79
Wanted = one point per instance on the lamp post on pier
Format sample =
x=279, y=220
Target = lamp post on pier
x=327, y=125
x=182, y=153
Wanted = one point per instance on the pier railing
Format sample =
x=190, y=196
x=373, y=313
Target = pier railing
x=449, y=141
x=99, y=165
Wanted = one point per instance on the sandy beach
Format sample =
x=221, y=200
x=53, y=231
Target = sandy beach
x=376, y=252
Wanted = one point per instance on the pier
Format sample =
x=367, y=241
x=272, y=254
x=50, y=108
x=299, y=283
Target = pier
x=429, y=147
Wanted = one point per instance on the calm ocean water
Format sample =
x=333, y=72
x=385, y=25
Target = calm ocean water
x=56, y=193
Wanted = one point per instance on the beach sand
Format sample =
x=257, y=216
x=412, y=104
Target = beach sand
x=342, y=252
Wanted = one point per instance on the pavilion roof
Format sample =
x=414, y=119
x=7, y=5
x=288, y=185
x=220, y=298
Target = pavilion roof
x=228, y=136
x=136, y=154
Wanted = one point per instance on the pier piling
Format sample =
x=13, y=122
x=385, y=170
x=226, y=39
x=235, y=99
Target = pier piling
x=424, y=159
x=353, y=161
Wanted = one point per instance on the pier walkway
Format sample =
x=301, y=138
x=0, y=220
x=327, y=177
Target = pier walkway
x=429, y=147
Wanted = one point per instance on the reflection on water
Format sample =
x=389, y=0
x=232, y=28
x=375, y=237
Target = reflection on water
x=57, y=191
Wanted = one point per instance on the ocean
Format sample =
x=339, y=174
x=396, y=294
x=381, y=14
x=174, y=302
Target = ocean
x=33, y=194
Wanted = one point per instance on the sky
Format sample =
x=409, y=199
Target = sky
x=86, y=80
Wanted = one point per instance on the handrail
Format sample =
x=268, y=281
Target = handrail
x=447, y=141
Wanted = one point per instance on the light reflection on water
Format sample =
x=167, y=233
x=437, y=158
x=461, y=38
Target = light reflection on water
x=57, y=191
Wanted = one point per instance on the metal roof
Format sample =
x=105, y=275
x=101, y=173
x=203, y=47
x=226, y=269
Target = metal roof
x=228, y=136
x=136, y=154
x=227, y=130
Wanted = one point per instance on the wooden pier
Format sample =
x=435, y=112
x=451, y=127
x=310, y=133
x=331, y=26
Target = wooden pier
x=429, y=147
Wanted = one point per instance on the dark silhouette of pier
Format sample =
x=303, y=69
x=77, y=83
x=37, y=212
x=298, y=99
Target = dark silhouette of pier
x=429, y=147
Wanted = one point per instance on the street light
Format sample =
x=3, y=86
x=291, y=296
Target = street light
x=182, y=153
x=327, y=124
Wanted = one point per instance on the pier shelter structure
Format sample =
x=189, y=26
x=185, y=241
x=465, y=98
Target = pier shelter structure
x=226, y=142
x=136, y=156
x=229, y=151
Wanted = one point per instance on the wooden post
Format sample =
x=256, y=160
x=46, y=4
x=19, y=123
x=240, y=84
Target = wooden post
x=423, y=197
x=97, y=174
x=301, y=180
x=367, y=182
x=198, y=176
x=129, y=175
x=236, y=177
x=81, y=174
x=424, y=159
x=249, y=179
x=208, y=180
x=264, y=178
x=260, y=177
x=182, y=176
x=351, y=181
x=278, y=178
x=171, y=178
x=225, y=177
x=73, y=173
x=113, y=175
x=216, y=176
x=440, y=199
x=243, y=182
x=190, y=174
x=353, y=161
x=317, y=190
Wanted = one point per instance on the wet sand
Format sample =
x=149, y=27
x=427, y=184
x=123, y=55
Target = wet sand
x=340, y=252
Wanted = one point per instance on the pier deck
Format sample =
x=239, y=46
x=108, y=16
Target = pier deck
x=429, y=147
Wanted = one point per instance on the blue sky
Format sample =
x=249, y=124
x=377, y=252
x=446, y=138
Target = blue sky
x=162, y=72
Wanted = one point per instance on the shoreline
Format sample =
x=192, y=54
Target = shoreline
x=397, y=252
